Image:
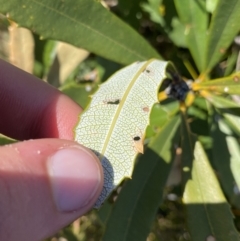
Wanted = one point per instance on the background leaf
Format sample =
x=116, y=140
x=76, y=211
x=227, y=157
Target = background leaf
x=204, y=201
x=4, y=140
x=227, y=85
x=21, y=48
x=223, y=28
x=194, y=16
x=226, y=159
x=67, y=58
x=85, y=24
x=140, y=197
x=228, y=109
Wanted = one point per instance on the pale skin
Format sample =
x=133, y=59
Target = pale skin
x=34, y=200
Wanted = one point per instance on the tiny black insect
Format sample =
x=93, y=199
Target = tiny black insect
x=136, y=138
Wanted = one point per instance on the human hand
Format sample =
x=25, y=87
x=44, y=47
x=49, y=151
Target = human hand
x=44, y=183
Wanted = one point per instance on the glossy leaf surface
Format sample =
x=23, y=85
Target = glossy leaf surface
x=224, y=27
x=84, y=23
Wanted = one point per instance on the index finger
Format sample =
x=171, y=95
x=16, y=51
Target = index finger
x=31, y=108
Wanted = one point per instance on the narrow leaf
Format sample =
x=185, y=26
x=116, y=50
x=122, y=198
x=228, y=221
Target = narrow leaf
x=4, y=38
x=138, y=201
x=4, y=140
x=223, y=28
x=227, y=85
x=206, y=206
x=21, y=48
x=67, y=58
x=226, y=159
x=227, y=108
x=207, y=209
x=114, y=125
x=193, y=14
x=211, y=5
x=84, y=23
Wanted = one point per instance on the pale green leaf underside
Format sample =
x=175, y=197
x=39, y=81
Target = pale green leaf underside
x=114, y=124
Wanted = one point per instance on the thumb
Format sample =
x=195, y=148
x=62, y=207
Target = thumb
x=44, y=185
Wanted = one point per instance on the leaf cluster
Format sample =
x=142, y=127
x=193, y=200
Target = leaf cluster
x=193, y=144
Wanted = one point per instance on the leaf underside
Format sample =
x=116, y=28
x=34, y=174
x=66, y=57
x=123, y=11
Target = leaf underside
x=114, y=124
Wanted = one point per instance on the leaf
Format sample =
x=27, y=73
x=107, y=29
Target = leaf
x=79, y=93
x=16, y=45
x=227, y=108
x=193, y=14
x=223, y=28
x=228, y=85
x=160, y=115
x=4, y=38
x=226, y=158
x=207, y=209
x=211, y=5
x=21, y=48
x=67, y=58
x=84, y=23
x=164, y=13
x=115, y=122
x=139, y=199
x=4, y=140
x=130, y=12
x=231, y=62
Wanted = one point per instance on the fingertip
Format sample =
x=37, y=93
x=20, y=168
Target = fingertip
x=75, y=178
x=47, y=184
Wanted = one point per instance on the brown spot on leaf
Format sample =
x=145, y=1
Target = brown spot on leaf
x=236, y=78
x=146, y=109
x=222, y=50
x=138, y=144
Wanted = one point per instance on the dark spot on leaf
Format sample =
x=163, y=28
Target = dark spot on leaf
x=113, y=102
x=136, y=138
x=147, y=71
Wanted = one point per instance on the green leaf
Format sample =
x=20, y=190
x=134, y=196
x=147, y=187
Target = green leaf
x=193, y=14
x=115, y=122
x=223, y=28
x=164, y=13
x=228, y=85
x=221, y=102
x=79, y=93
x=4, y=40
x=84, y=23
x=211, y=5
x=227, y=108
x=140, y=197
x=4, y=140
x=160, y=115
x=231, y=62
x=16, y=45
x=206, y=206
x=130, y=12
x=226, y=158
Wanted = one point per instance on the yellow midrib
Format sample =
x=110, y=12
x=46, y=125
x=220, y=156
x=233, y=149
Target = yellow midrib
x=122, y=102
